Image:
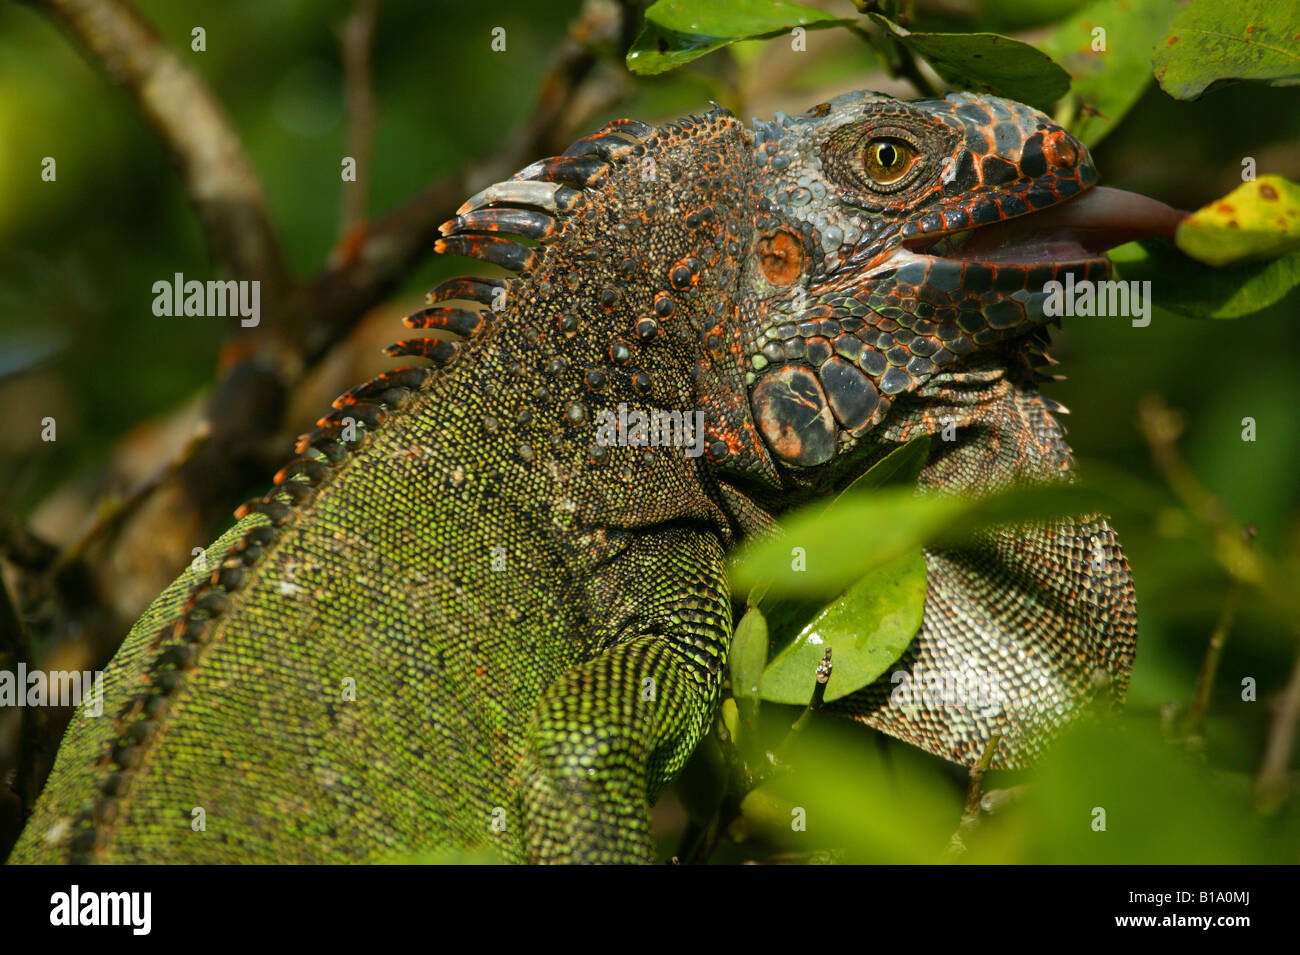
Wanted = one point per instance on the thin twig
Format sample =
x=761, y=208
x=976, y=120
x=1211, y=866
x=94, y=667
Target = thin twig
x=1161, y=426
x=24, y=548
x=120, y=510
x=1271, y=786
x=977, y=772
x=823, y=677
x=1210, y=664
x=356, y=40
x=896, y=58
x=398, y=241
x=908, y=69
x=971, y=813
x=17, y=650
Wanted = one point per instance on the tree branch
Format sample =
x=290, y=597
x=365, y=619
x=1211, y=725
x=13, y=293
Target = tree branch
x=970, y=816
x=1271, y=786
x=387, y=249
x=219, y=178
x=356, y=37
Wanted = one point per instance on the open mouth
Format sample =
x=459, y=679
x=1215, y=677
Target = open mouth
x=1079, y=230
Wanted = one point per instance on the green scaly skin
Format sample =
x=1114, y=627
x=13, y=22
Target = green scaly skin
x=462, y=623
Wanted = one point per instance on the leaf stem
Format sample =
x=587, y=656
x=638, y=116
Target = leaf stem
x=971, y=813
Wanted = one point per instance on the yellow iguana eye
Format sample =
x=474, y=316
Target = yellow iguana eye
x=887, y=160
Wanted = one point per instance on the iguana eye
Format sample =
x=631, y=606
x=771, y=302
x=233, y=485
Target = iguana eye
x=887, y=160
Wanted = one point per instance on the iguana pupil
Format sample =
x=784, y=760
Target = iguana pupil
x=889, y=160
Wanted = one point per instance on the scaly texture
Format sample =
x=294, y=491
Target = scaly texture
x=471, y=617
x=1023, y=628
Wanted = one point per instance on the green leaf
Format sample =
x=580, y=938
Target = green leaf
x=902, y=811
x=730, y=715
x=1214, y=42
x=1258, y=219
x=1187, y=287
x=1152, y=795
x=678, y=31
x=823, y=551
x=867, y=628
x=1109, y=70
x=745, y=664
x=988, y=63
x=899, y=466
x=748, y=654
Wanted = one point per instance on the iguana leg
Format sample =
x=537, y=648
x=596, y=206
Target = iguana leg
x=611, y=732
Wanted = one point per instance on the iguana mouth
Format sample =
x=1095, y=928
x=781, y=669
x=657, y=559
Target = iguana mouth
x=1077, y=231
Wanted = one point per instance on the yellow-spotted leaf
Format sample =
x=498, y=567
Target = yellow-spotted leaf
x=1259, y=219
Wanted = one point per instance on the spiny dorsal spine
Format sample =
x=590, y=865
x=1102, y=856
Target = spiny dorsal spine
x=178, y=647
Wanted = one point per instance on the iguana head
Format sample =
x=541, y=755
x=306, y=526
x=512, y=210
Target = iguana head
x=790, y=282
x=893, y=240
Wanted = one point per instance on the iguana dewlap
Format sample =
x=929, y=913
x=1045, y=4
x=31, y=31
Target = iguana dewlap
x=463, y=620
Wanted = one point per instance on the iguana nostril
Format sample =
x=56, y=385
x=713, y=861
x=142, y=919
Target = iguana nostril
x=1062, y=150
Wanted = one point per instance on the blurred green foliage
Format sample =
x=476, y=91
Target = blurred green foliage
x=78, y=258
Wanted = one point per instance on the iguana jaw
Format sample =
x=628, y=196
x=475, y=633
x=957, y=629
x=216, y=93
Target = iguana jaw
x=1074, y=233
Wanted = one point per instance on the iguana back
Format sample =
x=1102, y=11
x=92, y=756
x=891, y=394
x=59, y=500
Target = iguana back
x=356, y=673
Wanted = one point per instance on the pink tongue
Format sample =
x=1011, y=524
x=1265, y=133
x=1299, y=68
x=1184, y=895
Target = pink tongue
x=1113, y=210
x=1097, y=220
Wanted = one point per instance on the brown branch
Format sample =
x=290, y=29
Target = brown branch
x=387, y=249
x=219, y=178
x=1271, y=786
x=24, y=548
x=356, y=38
x=1210, y=662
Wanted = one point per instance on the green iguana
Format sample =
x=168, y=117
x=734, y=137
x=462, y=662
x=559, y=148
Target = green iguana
x=466, y=618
